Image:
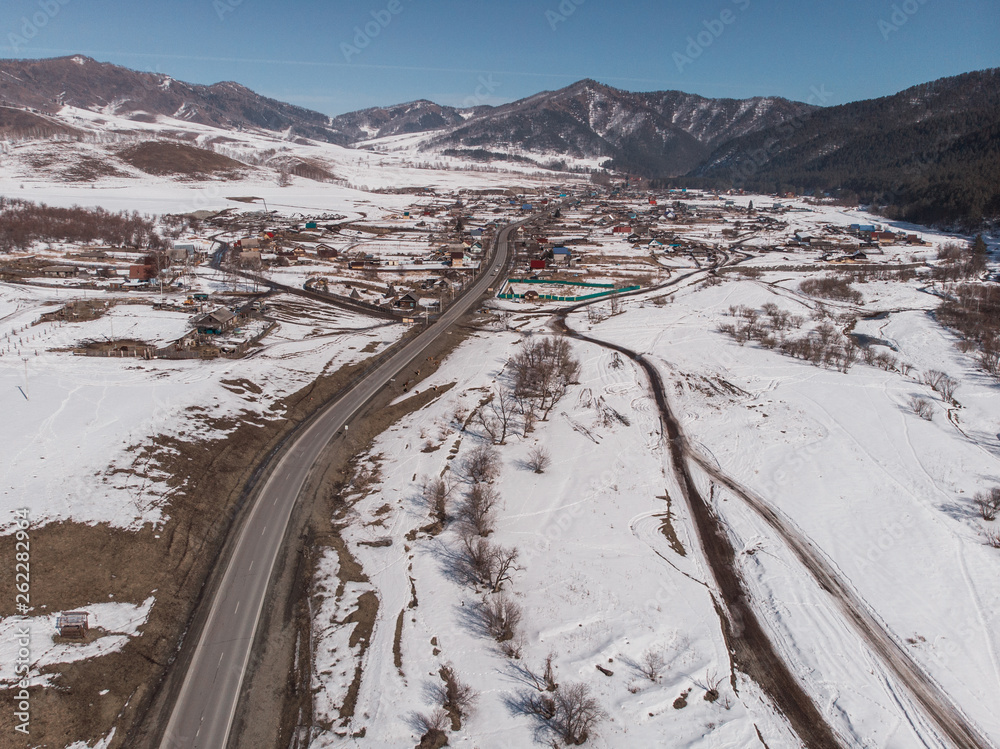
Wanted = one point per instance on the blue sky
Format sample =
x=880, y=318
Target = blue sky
x=340, y=56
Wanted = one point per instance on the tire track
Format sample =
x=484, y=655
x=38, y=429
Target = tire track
x=750, y=648
x=752, y=651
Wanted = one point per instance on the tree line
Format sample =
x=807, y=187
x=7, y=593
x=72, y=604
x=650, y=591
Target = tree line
x=24, y=223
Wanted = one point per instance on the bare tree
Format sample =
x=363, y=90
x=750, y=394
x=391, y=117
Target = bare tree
x=988, y=503
x=539, y=459
x=576, y=713
x=932, y=378
x=485, y=564
x=542, y=706
x=504, y=563
x=549, y=675
x=497, y=416
x=992, y=538
x=922, y=408
x=476, y=510
x=544, y=369
x=435, y=493
x=712, y=682
x=990, y=361
x=434, y=729
x=615, y=304
x=482, y=464
x=652, y=663
x=457, y=698
x=514, y=647
x=501, y=617
x=476, y=560
x=947, y=386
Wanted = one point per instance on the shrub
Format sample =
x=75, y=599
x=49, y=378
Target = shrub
x=539, y=459
x=481, y=464
x=988, y=503
x=576, y=713
x=922, y=408
x=501, y=617
x=831, y=287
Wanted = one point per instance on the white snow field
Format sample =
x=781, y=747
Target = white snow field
x=883, y=495
x=79, y=418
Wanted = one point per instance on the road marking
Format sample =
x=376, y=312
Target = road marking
x=262, y=532
x=251, y=566
x=237, y=607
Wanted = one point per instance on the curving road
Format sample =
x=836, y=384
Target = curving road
x=202, y=714
x=752, y=649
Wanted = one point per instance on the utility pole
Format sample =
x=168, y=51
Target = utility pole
x=27, y=390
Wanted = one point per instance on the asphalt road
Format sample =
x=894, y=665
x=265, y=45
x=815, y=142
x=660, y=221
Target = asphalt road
x=202, y=715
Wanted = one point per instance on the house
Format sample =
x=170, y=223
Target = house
x=216, y=322
x=863, y=228
x=407, y=301
x=562, y=253
x=59, y=271
x=73, y=624
x=327, y=252
x=622, y=230
x=537, y=265
x=141, y=272
x=457, y=258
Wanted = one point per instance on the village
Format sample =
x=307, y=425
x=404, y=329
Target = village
x=584, y=242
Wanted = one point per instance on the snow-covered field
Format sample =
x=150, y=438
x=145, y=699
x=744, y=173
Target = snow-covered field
x=598, y=582
x=884, y=495
x=80, y=419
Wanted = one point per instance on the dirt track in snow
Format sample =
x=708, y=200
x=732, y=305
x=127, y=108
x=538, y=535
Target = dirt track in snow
x=751, y=649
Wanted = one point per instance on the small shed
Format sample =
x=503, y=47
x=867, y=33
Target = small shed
x=73, y=624
x=530, y=296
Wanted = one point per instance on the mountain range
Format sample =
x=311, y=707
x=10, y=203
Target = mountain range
x=927, y=153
